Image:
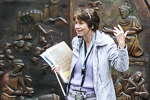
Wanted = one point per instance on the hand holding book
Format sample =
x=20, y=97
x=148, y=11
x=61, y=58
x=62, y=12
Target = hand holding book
x=59, y=54
x=55, y=69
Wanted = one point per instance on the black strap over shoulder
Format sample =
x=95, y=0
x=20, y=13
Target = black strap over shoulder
x=83, y=71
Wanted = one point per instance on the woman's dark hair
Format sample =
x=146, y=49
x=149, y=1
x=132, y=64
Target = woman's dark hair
x=88, y=15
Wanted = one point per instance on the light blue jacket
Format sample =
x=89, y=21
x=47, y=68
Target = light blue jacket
x=105, y=55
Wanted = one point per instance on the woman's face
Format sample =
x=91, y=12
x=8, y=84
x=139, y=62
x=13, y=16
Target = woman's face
x=81, y=27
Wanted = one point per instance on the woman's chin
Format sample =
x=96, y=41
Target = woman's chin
x=79, y=34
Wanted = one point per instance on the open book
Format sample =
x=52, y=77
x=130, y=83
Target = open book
x=59, y=55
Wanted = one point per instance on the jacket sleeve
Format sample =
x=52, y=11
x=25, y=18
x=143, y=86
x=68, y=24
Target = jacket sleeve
x=118, y=57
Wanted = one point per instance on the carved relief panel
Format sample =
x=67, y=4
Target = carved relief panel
x=29, y=27
x=132, y=15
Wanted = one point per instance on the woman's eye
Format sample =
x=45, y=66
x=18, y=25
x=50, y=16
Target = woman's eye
x=81, y=23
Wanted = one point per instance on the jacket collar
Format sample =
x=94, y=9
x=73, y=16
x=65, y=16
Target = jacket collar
x=100, y=39
x=76, y=43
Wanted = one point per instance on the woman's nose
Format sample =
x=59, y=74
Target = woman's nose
x=77, y=26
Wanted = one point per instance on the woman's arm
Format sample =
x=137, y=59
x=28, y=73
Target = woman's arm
x=119, y=56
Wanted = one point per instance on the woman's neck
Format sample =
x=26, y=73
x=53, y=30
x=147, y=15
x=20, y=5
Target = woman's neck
x=88, y=38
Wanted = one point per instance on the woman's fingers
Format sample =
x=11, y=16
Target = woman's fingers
x=116, y=29
x=120, y=28
x=55, y=69
x=115, y=32
x=120, y=35
x=125, y=34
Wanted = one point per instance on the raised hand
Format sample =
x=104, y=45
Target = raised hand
x=120, y=36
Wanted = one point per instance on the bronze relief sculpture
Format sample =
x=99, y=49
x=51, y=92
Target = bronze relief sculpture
x=132, y=24
x=131, y=87
x=136, y=87
x=13, y=83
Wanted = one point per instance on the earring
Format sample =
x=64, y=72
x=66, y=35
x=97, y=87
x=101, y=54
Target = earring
x=92, y=27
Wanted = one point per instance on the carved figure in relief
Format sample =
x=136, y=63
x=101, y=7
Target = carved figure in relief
x=120, y=94
x=1, y=73
x=47, y=97
x=1, y=63
x=136, y=87
x=54, y=8
x=28, y=82
x=132, y=24
x=124, y=79
x=94, y=4
x=13, y=83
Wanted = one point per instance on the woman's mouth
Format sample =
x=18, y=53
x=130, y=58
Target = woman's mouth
x=78, y=31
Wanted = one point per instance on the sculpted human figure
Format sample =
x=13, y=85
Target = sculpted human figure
x=124, y=79
x=13, y=84
x=136, y=88
x=54, y=8
x=120, y=94
x=130, y=23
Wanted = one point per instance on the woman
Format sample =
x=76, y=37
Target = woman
x=94, y=53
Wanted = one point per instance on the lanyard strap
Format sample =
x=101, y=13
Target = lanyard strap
x=84, y=58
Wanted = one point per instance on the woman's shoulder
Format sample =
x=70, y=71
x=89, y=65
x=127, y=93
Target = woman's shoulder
x=75, y=39
x=103, y=37
x=76, y=42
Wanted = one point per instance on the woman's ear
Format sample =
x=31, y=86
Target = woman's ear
x=92, y=27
